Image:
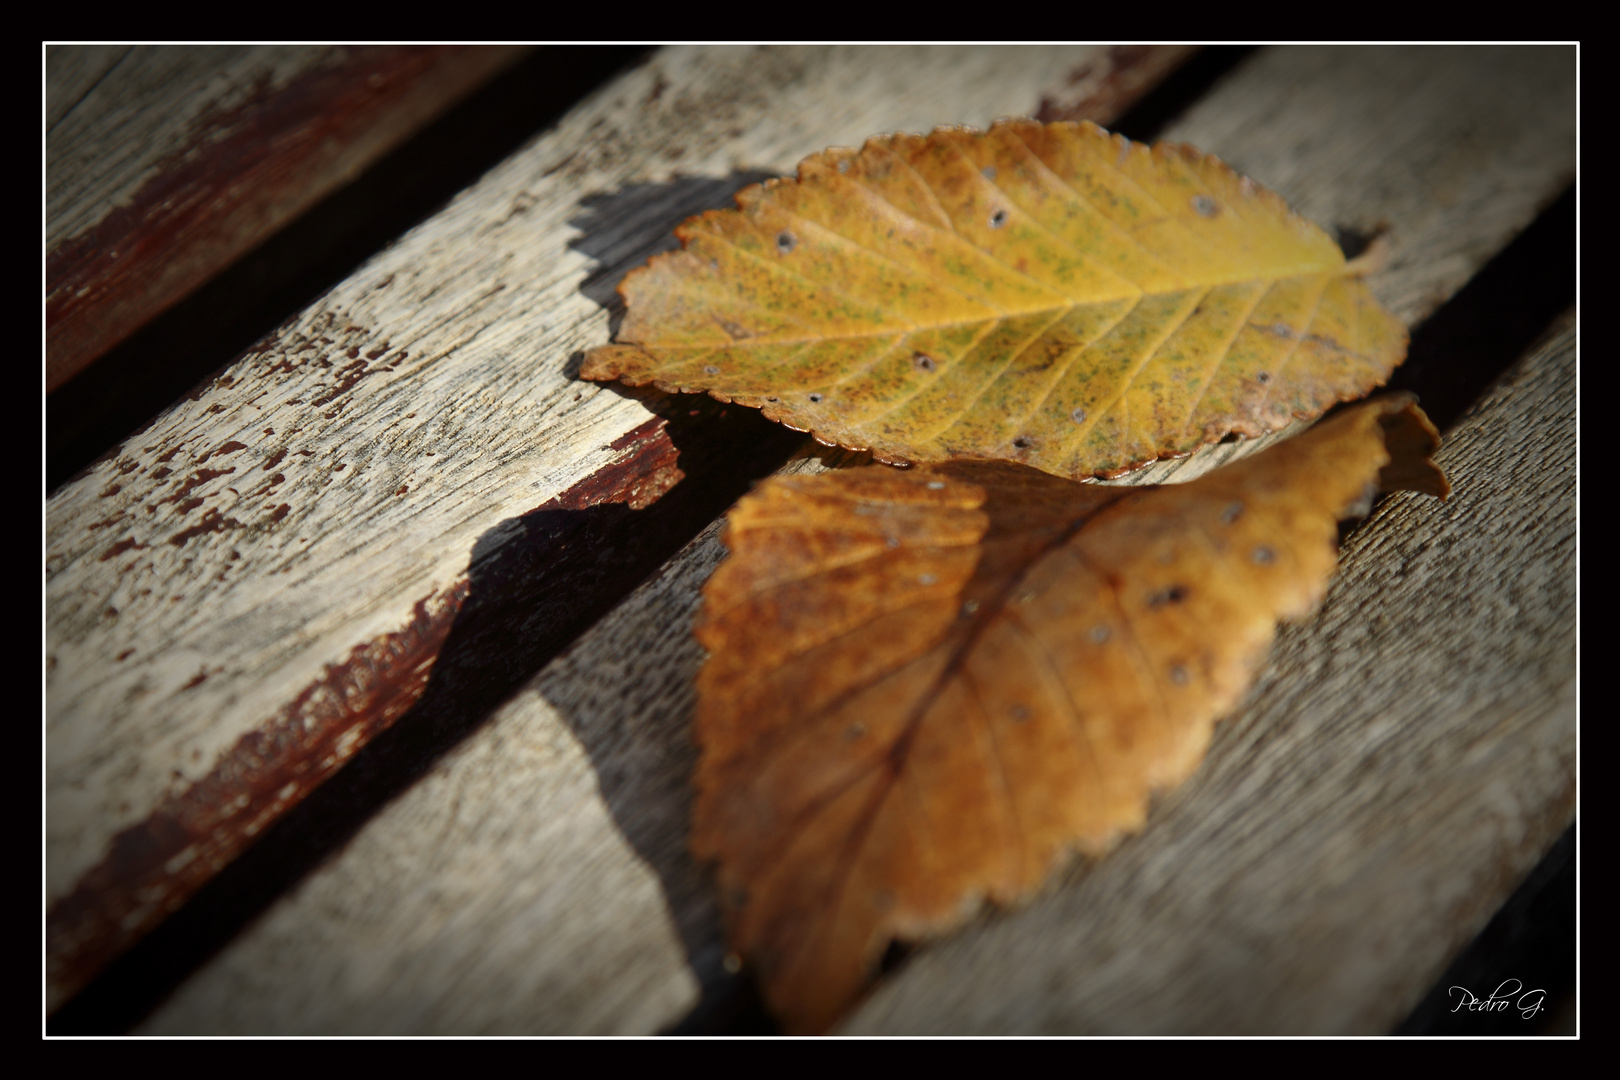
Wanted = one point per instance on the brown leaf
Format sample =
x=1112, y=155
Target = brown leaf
x=926, y=686
x=1048, y=294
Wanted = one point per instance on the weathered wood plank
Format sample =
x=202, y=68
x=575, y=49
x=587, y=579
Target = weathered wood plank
x=164, y=164
x=71, y=71
x=622, y=693
x=253, y=586
x=1404, y=760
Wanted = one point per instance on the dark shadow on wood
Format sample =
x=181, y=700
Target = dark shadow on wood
x=1529, y=945
x=622, y=229
x=1185, y=87
x=1486, y=328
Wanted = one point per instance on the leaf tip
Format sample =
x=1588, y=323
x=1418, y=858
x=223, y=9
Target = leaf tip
x=1411, y=439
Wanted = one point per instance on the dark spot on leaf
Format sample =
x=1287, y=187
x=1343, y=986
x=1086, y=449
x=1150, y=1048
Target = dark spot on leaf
x=786, y=242
x=854, y=732
x=1264, y=376
x=998, y=219
x=988, y=172
x=1178, y=675
x=1023, y=442
x=1174, y=594
x=1205, y=206
x=1078, y=416
x=1099, y=634
x=923, y=361
x=710, y=369
x=1262, y=555
x=815, y=397
x=1231, y=513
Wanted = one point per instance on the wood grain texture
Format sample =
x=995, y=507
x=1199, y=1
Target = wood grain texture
x=241, y=594
x=1404, y=760
x=167, y=163
x=71, y=71
x=535, y=882
x=624, y=693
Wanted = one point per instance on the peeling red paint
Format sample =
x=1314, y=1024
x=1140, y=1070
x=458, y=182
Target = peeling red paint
x=267, y=771
x=212, y=521
x=642, y=474
x=128, y=543
x=245, y=172
x=195, y=480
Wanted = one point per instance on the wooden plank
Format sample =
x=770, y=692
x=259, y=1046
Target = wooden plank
x=259, y=582
x=622, y=694
x=71, y=71
x=1405, y=759
x=164, y=164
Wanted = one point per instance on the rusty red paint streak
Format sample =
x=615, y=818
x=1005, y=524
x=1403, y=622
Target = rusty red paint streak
x=348, y=377
x=201, y=476
x=645, y=469
x=245, y=172
x=146, y=874
x=126, y=544
x=133, y=889
x=212, y=521
x=1114, y=82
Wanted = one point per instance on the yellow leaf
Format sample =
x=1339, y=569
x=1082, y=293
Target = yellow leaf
x=1049, y=294
x=925, y=687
